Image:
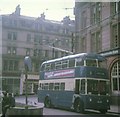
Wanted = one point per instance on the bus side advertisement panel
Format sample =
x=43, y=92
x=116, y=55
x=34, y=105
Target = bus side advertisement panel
x=60, y=74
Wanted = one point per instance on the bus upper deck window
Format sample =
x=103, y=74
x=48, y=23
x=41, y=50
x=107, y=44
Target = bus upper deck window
x=72, y=63
x=91, y=63
x=42, y=67
x=79, y=62
x=58, y=65
x=47, y=67
x=64, y=64
x=102, y=64
x=52, y=66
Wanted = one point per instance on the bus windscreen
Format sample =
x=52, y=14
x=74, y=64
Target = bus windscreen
x=97, y=87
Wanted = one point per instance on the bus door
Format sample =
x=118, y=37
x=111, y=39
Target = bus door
x=77, y=86
x=80, y=86
x=80, y=90
x=78, y=101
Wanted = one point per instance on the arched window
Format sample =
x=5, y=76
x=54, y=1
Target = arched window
x=115, y=76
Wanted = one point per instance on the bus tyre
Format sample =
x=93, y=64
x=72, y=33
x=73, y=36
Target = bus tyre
x=103, y=111
x=47, y=102
x=78, y=106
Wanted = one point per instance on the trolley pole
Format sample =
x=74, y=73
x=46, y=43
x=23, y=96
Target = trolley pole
x=72, y=43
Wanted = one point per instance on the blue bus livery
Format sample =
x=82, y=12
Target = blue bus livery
x=77, y=82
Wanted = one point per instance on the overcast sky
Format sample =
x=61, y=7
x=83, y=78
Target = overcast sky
x=53, y=9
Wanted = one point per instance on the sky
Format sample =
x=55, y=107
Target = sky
x=53, y=9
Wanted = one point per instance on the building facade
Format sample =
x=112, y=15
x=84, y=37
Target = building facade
x=39, y=38
x=97, y=30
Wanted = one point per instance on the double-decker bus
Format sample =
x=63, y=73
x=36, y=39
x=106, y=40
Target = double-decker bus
x=77, y=82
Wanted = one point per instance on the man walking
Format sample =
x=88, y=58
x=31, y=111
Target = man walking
x=5, y=104
x=11, y=100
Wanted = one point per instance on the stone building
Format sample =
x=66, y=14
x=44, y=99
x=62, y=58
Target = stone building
x=97, y=30
x=39, y=38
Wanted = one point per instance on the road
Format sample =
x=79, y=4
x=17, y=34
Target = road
x=32, y=100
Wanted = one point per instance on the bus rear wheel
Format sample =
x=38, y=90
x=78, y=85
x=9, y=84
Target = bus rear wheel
x=78, y=106
x=47, y=102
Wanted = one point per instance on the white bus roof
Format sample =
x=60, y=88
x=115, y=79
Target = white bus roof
x=82, y=55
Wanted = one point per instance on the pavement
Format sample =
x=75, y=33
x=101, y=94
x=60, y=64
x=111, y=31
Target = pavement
x=114, y=109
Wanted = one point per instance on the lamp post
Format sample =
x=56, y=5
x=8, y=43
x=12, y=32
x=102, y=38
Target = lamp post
x=27, y=63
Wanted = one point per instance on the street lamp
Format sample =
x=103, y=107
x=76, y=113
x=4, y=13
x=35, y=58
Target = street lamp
x=27, y=63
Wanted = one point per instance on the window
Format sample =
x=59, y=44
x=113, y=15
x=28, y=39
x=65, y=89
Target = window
x=84, y=19
x=38, y=39
x=83, y=44
x=79, y=62
x=12, y=36
x=115, y=40
x=14, y=50
x=12, y=22
x=72, y=63
x=5, y=65
x=52, y=66
x=51, y=86
x=28, y=37
x=10, y=65
x=77, y=86
x=42, y=67
x=96, y=42
x=114, y=7
x=96, y=13
x=11, y=50
x=8, y=50
x=9, y=36
x=91, y=62
x=115, y=76
x=57, y=86
x=64, y=64
x=48, y=67
x=97, y=87
x=62, y=86
x=82, y=86
x=58, y=65
x=102, y=64
x=46, y=86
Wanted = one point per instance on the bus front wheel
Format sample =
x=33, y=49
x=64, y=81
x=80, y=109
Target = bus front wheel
x=79, y=106
x=47, y=102
x=103, y=111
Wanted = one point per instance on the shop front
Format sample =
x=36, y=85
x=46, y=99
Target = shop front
x=113, y=62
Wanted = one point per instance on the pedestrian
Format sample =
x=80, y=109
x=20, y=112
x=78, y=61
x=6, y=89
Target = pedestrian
x=5, y=104
x=11, y=100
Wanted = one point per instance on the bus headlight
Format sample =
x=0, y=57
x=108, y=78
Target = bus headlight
x=90, y=100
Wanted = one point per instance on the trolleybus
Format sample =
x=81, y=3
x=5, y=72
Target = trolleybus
x=77, y=82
